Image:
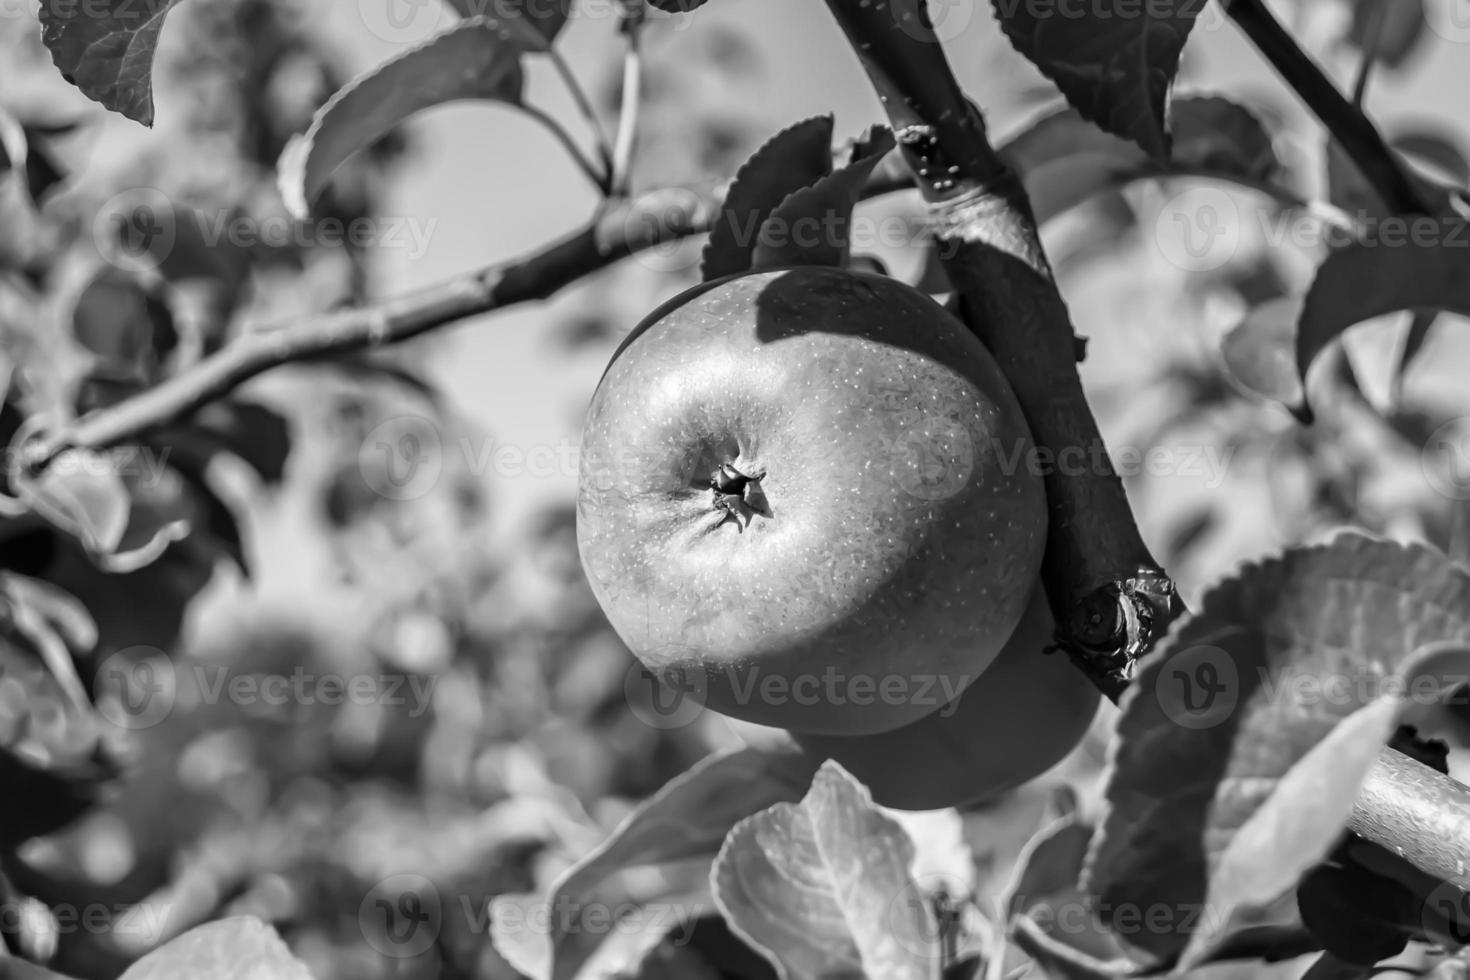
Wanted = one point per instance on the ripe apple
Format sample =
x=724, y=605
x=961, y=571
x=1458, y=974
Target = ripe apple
x=1029, y=710
x=806, y=497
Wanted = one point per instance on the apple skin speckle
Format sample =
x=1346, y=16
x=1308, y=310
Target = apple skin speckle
x=903, y=525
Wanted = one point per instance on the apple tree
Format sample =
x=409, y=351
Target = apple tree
x=1238, y=823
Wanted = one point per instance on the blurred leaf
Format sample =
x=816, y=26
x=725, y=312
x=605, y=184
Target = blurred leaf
x=241, y=948
x=548, y=16
x=1051, y=864
x=688, y=818
x=220, y=522
x=1063, y=160
x=1392, y=29
x=128, y=327
x=105, y=48
x=677, y=6
x=256, y=434
x=1260, y=351
x=1274, y=773
x=13, y=143
x=479, y=58
x=1439, y=150
x=57, y=606
x=1116, y=71
x=1349, y=190
x=794, y=158
x=823, y=887
x=1058, y=960
x=1357, y=915
x=629, y=950
x=1364, y=280
x=1329, y=967
x=826, y=204
x=81, y=493
x=1213, y=133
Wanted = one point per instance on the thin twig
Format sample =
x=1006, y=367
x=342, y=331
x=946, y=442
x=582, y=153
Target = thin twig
x=584, y=107
x=599, y=180
x=1372, y=38
x=634, y=17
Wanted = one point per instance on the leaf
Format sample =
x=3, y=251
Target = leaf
x=794, y=158
x=1392, y=29
x=612, y=950
x=129, y=328
x=479, y=58
x=220, y=522
x=826, y=205
x=1329, y=967
x=81, y=493
x=1063, y=159
x=547, y=16
x=1439, y=150
x=1275, y=697
x=1050, y=864
x=688, y=818
x=105, y=48
x=823, y=888
x=1115, y=70
x=240, y=948
x=1364, y=280
x=250, y=431
x=1214, y=133
x=1260, y=351
x=677, y=6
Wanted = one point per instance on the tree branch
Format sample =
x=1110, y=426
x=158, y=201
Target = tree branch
x=1344, y=120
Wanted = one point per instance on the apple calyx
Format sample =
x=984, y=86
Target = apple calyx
x=737, y=494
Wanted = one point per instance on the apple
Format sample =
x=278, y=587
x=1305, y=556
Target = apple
x=1023, y=717
x=806, y=497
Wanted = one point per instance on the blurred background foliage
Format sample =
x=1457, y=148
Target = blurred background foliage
x=526, y=745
